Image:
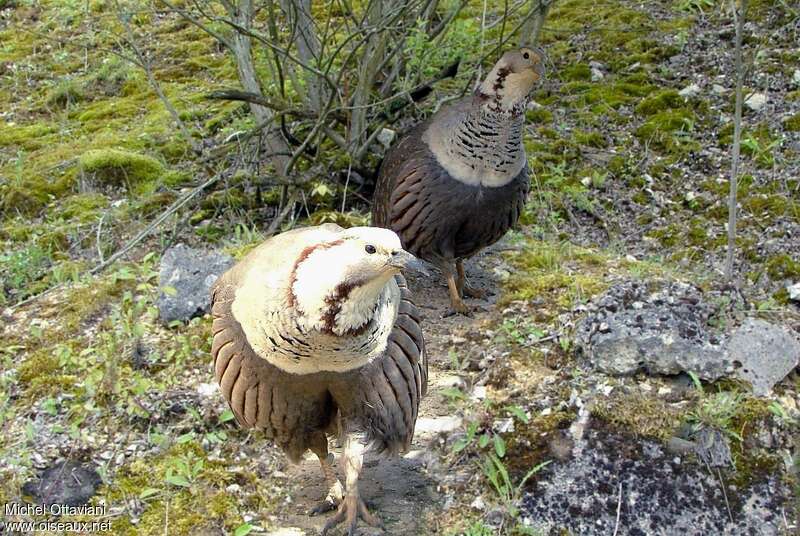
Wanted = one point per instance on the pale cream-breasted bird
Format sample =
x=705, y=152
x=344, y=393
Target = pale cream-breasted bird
x=315, y=334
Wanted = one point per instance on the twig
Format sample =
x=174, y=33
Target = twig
x=273, y=226
x=737, y=135
x=174, y=207
x=619, y=509
x=97, y=240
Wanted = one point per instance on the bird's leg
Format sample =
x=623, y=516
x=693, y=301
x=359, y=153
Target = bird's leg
x=463, y=288
x=456, y=303
x=352, y=507
x=335, y=489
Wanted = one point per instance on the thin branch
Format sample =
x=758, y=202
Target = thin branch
x=173, y=208
x=739, y=18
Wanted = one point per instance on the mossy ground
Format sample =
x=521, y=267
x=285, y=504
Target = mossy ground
x=629, y=180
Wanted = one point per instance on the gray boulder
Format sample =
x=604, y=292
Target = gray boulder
x=673, y=328
x=185, y=280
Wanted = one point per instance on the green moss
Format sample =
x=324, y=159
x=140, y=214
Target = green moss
x=28, y=137
x=663, y=100
x=639, y=414
x=113, y=167
x=203, y=503
x=539, y=115
x=65, y=94
x=83, y=207
x=573, y=73
x=592, y=139
x=782, y=267
x=670, y=130
x=26, y=199
x=559, y=273
x=792, y=124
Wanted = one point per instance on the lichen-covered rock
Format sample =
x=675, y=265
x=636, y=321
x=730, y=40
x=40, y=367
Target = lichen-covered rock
x=763, y=354
x=675, y=329
x=654, y=493
x=664, y=332
x=185, y=278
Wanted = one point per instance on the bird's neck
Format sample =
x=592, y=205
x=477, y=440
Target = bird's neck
x=504, y=92
x=484, y=147
x=349, y=309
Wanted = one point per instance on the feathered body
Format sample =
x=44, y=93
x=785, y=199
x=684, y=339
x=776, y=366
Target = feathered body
x=458, y=182
x=292, y=348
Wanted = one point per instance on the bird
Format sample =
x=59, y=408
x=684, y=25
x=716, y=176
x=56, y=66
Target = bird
x=316, y=336
x=457, y=182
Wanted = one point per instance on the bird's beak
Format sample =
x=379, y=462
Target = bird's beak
x=403, y=260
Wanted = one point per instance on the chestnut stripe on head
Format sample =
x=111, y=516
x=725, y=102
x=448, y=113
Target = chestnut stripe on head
x=292, y=299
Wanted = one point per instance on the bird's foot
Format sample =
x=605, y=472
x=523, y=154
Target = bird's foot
x=331, y=501
x=473, y=292
x=351, y=509
x=458, y=308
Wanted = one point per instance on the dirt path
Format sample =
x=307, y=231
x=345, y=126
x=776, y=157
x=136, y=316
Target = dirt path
x=403, y=491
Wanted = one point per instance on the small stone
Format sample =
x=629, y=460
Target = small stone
x=438, y=425
x=756, y=101
x=597, y=75
x=604, y=328
x=586, y=181
x=692, y=90
x=185, y=279
x=207, y=390
x=794, y=292
x=690, y=196
x=630, y=258
x=503, y=426
x=478, y=503
x=796, y=77
x=478, y=392
x=717, y=89
x=386, y=136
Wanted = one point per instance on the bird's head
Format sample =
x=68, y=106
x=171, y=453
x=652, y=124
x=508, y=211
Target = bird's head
x=508, y=84
x=337, y=285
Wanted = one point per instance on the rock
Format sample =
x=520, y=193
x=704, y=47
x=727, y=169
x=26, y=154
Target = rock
x=794, y=292
x=65, y=483
x=478, y=503
x=756, y=101
x=596, y=74
x=386, y=136
x=185, y=280
x=670, y=331
x=763, y=354
x=692, y=90
x=656, y=492
x=717, y=89
x=796, y=77
x=438, y=425
x=637, y=330
x=713, y=448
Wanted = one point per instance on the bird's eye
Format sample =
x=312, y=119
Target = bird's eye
x=526, y=55
x=369, y=248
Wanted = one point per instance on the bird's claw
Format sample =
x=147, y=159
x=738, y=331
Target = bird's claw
x=323, y=507
x=473, y=292
x=350, y=510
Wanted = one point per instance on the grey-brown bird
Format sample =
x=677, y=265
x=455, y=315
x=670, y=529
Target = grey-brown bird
x=315, y=334
x=458, y=182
